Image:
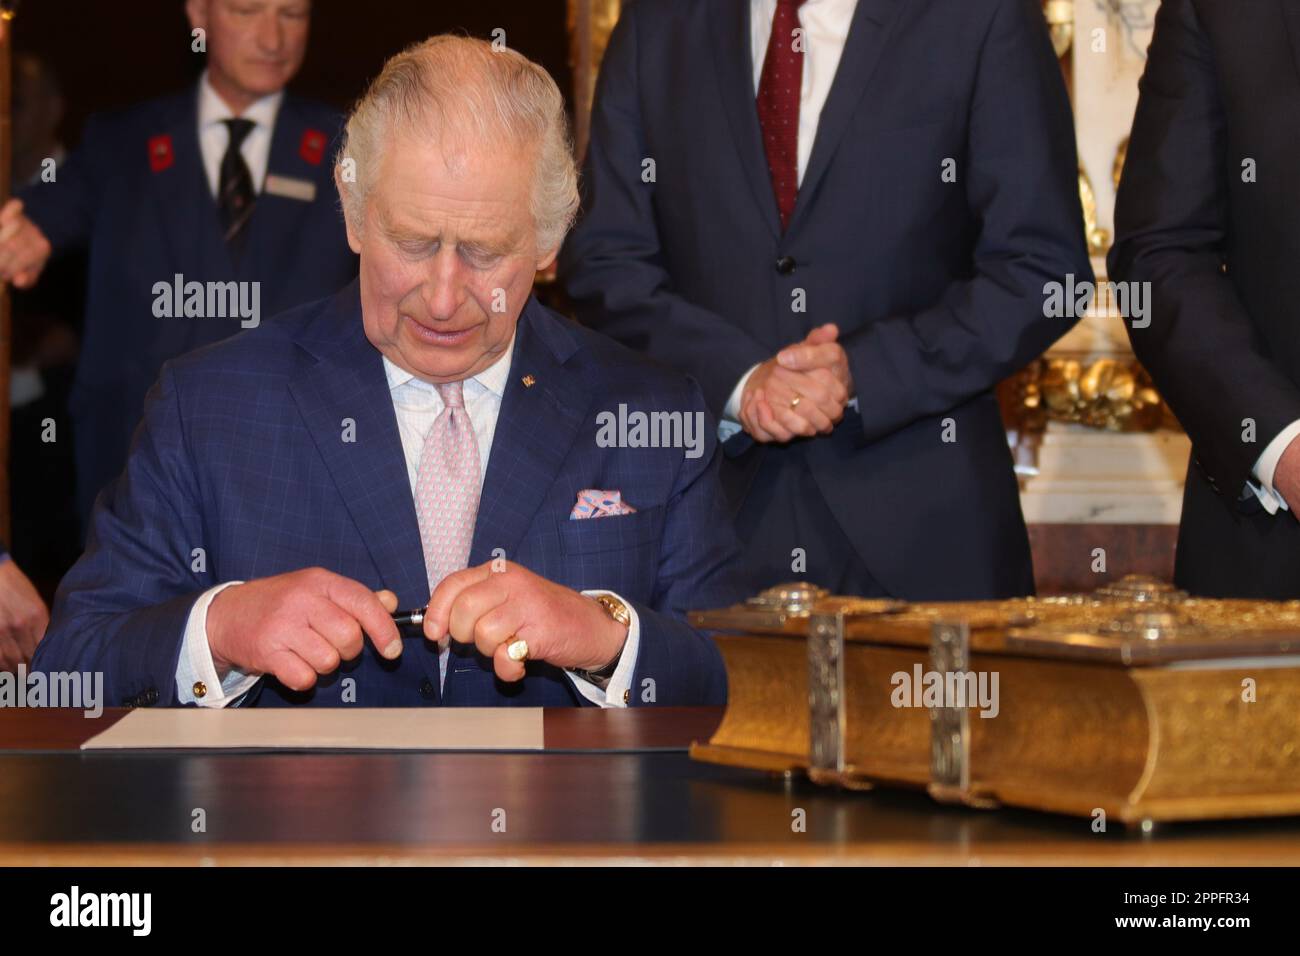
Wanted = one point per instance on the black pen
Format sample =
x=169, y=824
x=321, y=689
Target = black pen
x=411, y=618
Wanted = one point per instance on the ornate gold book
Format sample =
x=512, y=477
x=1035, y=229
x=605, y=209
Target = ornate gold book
x=1136, y=700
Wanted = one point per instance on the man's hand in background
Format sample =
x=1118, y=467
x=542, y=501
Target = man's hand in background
x=23, y=617
x=24, y=250
x=814, y=371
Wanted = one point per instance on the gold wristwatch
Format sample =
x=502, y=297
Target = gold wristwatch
x=619, y=612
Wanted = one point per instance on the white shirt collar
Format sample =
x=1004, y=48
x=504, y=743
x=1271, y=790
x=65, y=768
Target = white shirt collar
x=492, y=379
x=213, y=109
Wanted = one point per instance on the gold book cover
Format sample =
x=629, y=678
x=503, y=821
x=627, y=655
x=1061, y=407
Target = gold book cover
x=1136, y=700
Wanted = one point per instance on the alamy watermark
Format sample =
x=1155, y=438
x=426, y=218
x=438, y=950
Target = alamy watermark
x=934, y=689
x=638, y=429
x=75, y=908
x=76, y=689
x=179, y=299
x=1111, y=300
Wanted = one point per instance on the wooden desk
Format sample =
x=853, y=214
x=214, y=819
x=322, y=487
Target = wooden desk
x=649, y=802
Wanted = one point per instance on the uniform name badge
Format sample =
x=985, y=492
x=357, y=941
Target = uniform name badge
x=290, y=188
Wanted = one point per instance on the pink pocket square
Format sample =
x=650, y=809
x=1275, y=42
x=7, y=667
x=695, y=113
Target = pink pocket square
x=593, y=503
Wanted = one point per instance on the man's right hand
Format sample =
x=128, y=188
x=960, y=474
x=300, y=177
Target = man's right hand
x=299, y=625
x=24, y=250
x=766, y=412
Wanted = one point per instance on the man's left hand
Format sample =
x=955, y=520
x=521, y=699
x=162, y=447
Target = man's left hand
x=493, y=608
x=822, y=353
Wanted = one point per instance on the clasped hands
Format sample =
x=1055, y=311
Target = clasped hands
x=799, y=392
x=303, y=624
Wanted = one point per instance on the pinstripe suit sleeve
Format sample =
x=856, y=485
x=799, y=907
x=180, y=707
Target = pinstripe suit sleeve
x=122, y=608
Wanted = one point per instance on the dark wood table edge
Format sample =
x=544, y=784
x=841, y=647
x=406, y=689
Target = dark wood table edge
x=1213, y=854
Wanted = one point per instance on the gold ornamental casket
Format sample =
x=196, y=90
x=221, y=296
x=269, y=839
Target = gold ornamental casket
x=1135, y=700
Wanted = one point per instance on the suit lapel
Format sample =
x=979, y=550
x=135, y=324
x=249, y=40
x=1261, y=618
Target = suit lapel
x=345, y=382
x=729, y=23
x=862, y=49
x=184, y=200
x=190, y=225
x=277, y=219
x=536, y=428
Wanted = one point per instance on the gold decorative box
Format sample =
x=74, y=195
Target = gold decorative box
x=1136, y=700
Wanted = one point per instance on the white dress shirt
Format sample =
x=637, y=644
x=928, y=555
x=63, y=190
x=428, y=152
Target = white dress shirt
x=214, y=135
x=825, y=25
x=1266, y=467
x=417, y=404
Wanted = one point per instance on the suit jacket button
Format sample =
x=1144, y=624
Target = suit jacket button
x=426, y=689
x=785, y=265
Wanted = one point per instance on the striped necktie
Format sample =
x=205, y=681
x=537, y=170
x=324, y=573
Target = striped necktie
x=235, y=196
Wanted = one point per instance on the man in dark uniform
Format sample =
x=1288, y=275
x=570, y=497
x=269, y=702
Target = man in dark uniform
x=203, y=212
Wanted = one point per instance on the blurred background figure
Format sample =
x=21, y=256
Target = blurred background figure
x=44, y=344
x=45, y=538
x=226, y=181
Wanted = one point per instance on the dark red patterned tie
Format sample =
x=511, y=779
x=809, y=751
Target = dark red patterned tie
x=778, y=105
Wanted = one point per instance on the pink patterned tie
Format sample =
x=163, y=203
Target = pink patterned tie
x=447, y=487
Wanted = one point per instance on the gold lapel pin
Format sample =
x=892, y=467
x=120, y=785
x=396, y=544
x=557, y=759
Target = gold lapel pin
x=529, y=381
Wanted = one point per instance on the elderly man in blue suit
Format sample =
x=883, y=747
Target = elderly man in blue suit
x=226, y=182
x=429, y=435
x=843, y=217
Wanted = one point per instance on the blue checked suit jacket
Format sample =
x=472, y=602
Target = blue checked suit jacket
x=241, y=452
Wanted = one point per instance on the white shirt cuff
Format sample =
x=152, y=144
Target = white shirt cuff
x=196, y=663
x=731, y=412
x=729, y=424
x=1266, y=467
x=620, y=685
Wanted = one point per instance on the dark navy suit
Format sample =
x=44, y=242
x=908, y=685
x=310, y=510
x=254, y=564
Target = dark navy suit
x=146, y=216
x=1218, y=249
x=937, y=286
x=241, y=452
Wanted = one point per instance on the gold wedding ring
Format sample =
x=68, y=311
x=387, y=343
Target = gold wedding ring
x=794, y=402
x=516, y=649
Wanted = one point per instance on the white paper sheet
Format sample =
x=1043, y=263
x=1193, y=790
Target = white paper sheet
x=455, y=728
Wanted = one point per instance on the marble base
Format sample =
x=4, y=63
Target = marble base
x=1092, y=477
